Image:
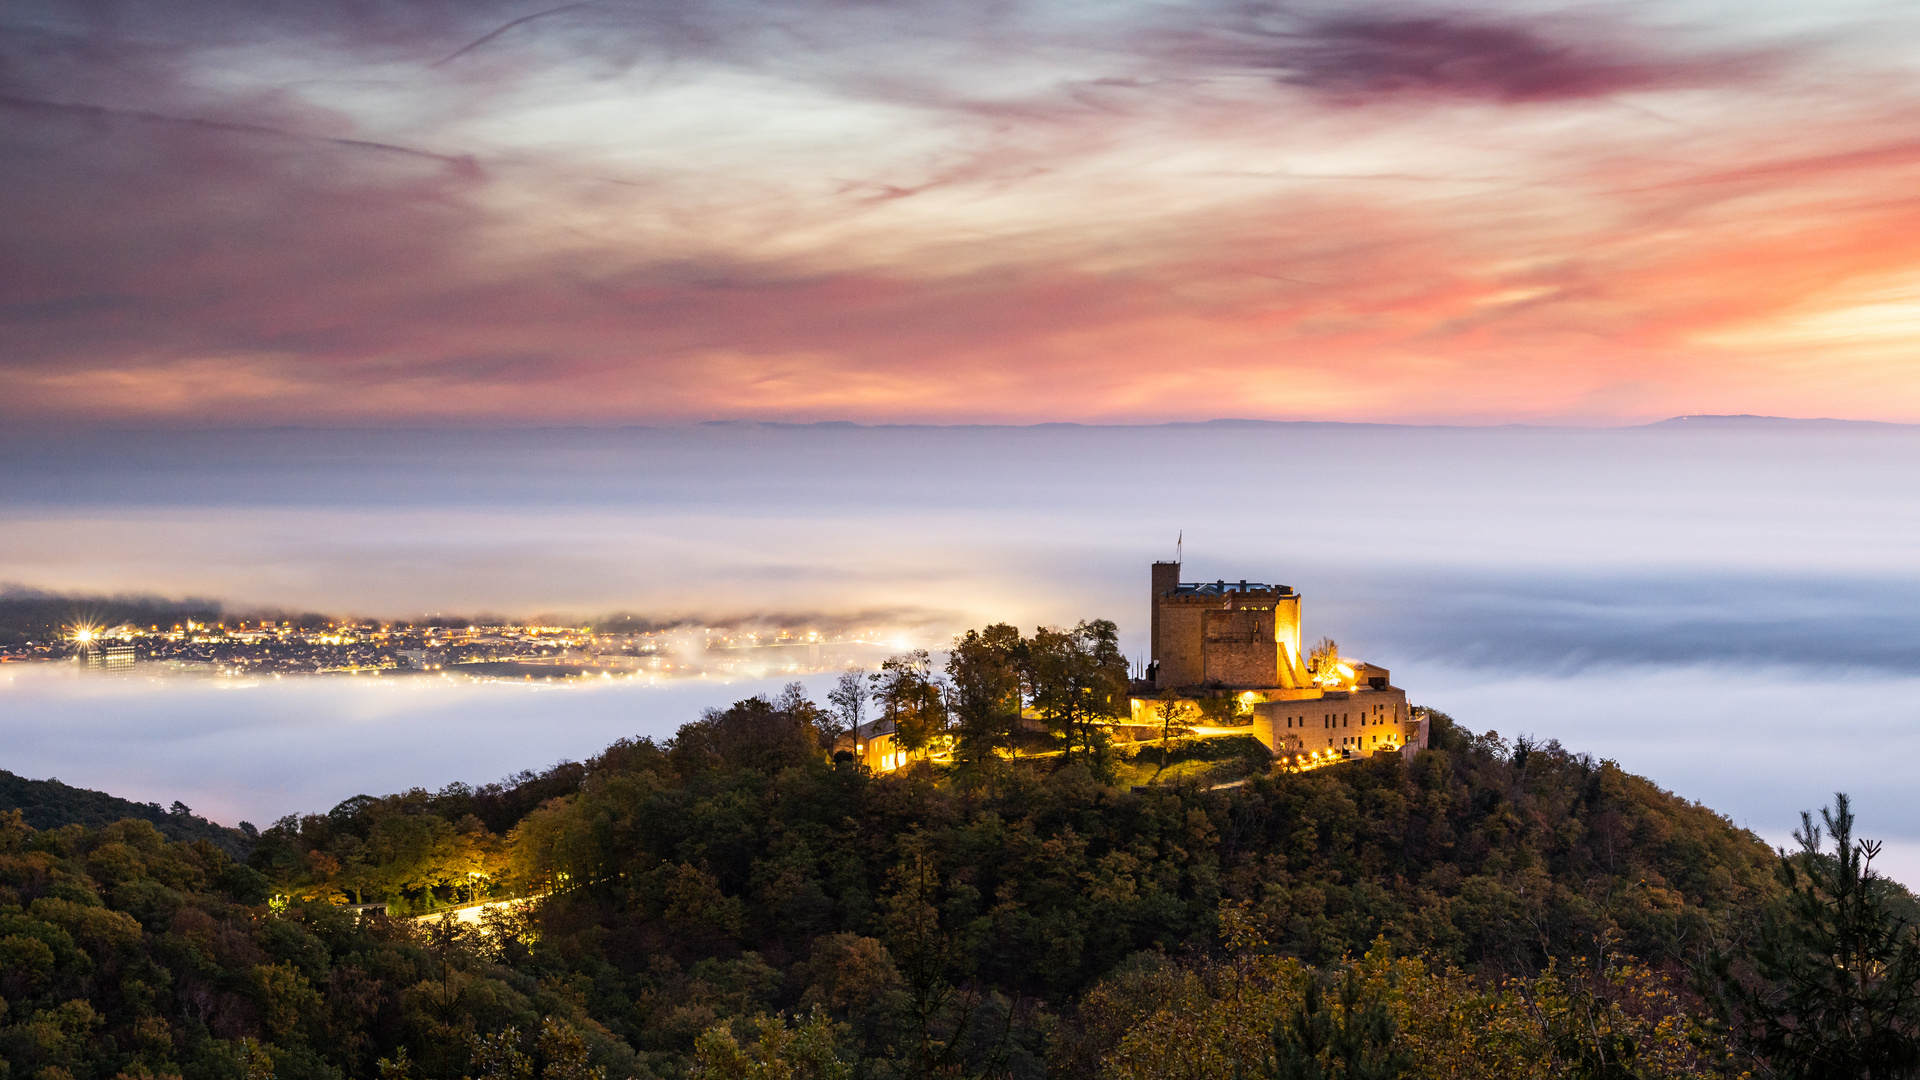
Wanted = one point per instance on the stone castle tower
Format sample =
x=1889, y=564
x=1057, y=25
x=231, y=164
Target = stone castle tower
x=1235, y=635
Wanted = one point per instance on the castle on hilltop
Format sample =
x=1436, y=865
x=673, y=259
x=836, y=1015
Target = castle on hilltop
x=1229, y=652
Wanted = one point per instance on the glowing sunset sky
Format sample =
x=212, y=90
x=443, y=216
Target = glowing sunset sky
x=598, y=212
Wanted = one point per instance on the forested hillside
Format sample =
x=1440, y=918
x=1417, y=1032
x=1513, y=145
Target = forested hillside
x=48, y=804
x=987, y=919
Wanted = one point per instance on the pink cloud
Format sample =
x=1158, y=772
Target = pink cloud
x=1513, y=227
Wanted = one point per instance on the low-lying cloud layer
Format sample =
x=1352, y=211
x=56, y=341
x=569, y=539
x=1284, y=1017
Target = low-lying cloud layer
x=1564, y=624
x=1728, y=607
x=1032, y=211
x=1533, y=549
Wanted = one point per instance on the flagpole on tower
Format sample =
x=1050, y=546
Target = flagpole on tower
x=1177, y=545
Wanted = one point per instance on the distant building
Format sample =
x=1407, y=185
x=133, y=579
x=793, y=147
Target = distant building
x=106, y=654
x=1232, y=650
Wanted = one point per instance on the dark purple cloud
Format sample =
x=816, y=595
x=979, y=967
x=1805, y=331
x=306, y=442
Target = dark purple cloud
x=1509, y=57
x=132, y=230
x=1457, y=58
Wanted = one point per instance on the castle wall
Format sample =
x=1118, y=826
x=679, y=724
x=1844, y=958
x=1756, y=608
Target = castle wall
x=1263, y=729
x=1182, y=652
x=1237, y=647
x=1361, y=721
x=1286, y=632
x=1303, y=722
x=1247, y=637
x=1240, y=639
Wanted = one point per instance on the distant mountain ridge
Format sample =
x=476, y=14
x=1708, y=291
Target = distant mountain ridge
x=1749, y=420
x=50, y=804
x=118, y=443
x=1694, y=421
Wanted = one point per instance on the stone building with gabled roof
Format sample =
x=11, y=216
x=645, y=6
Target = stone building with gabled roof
x=875, y=744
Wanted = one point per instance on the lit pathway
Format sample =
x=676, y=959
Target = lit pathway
x=470, y=913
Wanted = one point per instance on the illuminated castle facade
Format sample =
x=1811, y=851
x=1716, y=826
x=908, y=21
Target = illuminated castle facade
x=1232, y=649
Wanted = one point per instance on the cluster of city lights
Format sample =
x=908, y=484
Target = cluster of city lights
x=248, y=647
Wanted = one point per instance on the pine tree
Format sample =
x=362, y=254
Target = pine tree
x=1834, y=988
x=1353, y=1038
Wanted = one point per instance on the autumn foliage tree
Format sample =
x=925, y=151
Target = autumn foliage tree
x=1387, y=1017
x=1076, y=678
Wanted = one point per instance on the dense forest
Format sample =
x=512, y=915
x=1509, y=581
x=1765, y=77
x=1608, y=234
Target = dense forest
x=737, y=902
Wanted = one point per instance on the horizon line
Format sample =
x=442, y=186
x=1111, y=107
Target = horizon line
x=1688, y=420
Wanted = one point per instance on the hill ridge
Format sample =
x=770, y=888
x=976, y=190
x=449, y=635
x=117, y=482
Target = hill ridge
x=50, y=804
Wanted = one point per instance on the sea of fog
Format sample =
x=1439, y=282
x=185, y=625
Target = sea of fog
x=1732, y=609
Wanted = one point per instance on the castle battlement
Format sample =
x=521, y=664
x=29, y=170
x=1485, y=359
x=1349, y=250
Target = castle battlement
x=1214, y=591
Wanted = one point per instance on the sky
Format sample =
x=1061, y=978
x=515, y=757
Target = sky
x=605, y=212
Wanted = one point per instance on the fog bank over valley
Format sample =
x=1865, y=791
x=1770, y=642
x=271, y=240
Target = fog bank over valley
x=1724, y=606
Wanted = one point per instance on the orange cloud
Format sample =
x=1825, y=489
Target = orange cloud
x=1386, y=216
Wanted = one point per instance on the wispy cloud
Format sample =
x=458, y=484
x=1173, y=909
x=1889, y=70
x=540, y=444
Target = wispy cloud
x=612, y=211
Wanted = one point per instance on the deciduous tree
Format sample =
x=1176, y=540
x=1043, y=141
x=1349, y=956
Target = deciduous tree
x=1076, y=677
x=984, y=688
x=907, y=694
